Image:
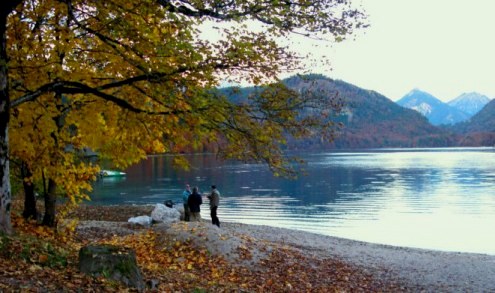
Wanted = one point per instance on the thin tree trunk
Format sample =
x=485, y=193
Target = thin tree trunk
x=5, y=196
x=50, y=204
x=29, y=197
x=51, y=196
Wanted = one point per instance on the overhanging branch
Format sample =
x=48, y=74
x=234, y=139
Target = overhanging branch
x=68, y=87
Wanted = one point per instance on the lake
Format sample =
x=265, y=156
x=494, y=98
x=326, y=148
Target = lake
x=441, y=199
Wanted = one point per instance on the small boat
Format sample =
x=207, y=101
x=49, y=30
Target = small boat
x=111, y=173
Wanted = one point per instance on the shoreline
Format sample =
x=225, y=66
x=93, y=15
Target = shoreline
x=132, y=210
x=440, y=250
x=430, y=270
x=453, y=271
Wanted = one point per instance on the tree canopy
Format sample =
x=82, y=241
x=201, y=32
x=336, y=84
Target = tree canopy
x=129, y=78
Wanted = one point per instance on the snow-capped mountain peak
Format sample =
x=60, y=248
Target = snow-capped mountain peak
x=432, y=108
x=470, y=103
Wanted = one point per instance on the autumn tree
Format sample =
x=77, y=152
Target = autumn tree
x=126, y=78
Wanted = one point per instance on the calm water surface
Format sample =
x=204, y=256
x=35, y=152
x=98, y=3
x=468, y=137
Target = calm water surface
x=428, y=198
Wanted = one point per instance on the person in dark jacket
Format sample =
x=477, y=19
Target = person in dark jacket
x=194, y=201
x=214, y=198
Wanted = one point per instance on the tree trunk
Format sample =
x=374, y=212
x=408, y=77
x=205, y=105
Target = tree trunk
x=29, y=198
x=5, y=196
x=51, y=195
x=50, y=204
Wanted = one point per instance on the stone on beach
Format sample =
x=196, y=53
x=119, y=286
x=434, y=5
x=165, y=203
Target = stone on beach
x=141, y=220
x=164, y=214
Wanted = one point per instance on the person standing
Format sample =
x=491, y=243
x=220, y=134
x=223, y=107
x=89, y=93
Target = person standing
x=194, y=201
x=214, y=198
x=185, y=198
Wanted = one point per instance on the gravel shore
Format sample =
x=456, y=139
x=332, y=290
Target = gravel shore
x=427, y=269
x=419, y=269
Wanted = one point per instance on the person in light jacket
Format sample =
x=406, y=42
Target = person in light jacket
x=194, y=201
x=214, y=198
x=185, y=198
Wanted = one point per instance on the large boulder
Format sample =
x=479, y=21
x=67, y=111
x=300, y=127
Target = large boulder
x=180, y=208
x=113, y=262
x=164, y=214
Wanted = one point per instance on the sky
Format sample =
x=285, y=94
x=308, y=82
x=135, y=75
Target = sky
x=443, y=47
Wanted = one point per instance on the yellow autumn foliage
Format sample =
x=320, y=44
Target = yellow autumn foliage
x=125, y=79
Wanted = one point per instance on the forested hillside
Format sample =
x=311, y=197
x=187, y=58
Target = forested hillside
x=480, y=129
x=368, y=119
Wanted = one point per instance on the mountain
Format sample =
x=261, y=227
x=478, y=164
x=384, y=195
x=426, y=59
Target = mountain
x=372, y=120
x=469, y=103
x=480, y=129
x=436, y=111
x=484, y=120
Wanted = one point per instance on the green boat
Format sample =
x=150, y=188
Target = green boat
x=111, y=173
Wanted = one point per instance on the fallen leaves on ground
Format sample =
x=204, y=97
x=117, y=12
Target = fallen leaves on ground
x=183, y=266
x=38, y=258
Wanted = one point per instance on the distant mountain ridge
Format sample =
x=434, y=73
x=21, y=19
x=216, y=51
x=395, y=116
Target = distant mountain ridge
x=371, y=120
x=469, y=103
x=435, y=110
x=483, y=121
x=480, y=129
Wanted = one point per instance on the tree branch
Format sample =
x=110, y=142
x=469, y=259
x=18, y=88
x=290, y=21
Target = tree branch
x=213, y=12
x=69, y=87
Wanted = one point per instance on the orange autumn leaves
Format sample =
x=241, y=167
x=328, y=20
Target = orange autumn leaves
x=182, y=265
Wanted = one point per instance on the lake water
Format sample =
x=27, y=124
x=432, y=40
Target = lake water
x=441, y=199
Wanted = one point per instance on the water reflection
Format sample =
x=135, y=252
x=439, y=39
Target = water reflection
x=431, y=198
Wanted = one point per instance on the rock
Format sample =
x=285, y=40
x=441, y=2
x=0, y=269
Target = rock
x=113, y=262
x=141, y=220
x=164, y=214
x=153, y=284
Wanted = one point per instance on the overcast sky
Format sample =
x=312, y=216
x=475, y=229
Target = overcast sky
x=444, y=47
